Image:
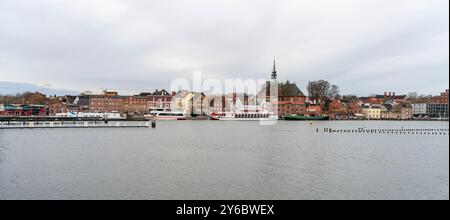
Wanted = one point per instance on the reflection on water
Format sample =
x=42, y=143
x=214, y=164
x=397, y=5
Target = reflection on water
x=225, y=160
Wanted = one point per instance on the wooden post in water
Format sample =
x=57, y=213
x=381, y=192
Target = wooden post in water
x=153, y=122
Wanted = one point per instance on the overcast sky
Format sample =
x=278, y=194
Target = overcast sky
x=364, y=46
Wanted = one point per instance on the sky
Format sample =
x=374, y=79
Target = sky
x=364, y=47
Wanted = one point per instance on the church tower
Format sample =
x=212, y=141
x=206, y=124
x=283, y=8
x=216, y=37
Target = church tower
x=274, y=72
x=272, y=85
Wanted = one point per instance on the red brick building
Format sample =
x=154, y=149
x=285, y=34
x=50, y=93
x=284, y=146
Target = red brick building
x=314, y=110
x=442, y=99
x=391, y=96
x=107, y=102
x=136, y=105
x=337, y=109
x=291, y=100
x=133, y=105
x=372, y=100
x=158, y=99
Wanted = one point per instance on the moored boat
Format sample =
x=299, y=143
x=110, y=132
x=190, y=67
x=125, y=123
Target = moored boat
x=306, y=118
x=105, y=115
x=246, y=113
x=247, y=116
x=165, y=115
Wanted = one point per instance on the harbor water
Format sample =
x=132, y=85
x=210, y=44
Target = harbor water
x=226, y=160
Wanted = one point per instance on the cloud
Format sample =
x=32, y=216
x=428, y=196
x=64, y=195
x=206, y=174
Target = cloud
x=363, y=46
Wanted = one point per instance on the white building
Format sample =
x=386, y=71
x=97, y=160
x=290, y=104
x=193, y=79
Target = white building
x=372, y=111
x=419, y=109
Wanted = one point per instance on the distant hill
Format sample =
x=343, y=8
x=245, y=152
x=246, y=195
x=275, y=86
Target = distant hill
x=12, y=88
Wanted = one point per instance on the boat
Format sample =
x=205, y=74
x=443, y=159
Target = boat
x=246, y=113
x=247, y=116
x=105, y=115
x=306, y=118
x=166, y=115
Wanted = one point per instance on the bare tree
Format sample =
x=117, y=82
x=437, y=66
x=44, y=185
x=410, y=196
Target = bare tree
x=350, y=98
x=322, y=90
x=318, y=89
x=412, y=95
x=333, y=92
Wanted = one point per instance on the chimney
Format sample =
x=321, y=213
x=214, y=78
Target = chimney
x=390, y=94
x=393, y=94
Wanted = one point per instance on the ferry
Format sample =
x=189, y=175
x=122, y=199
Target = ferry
x=166, y=115
x=306, y=118
x=107, y=115
x=247, y=113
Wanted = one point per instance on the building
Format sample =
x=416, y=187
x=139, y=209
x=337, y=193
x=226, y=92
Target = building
x=442, y=99
x=23, y=110
x=437, y=110
x=56, y=106
x=78, y=103
x=398, y=112
x=132, y=105
x=158, y=99
x=107, y=102
x=135, y=105
x=342, y=110
x=191, y=103
x=392, y=97
x=436, y=107
x=430, y=110
x=372, y=111
x=291, y=100
x=419, y=109
x=377, y=100
x=12, y=110
x=388, y=97
x=110, y=93
x=314, y=110
x=353, y=108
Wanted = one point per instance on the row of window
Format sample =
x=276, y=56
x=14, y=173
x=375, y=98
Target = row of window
x=252, y=116
x=110, y=103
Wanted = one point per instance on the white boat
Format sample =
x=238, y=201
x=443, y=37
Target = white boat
x=246, y=113
x=166, y=115
x=245, y=116
x=106, y=115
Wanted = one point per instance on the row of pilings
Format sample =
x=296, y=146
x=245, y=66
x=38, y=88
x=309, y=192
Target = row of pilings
x=392, y=131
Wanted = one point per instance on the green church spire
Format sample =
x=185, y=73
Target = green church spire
x=274, y=72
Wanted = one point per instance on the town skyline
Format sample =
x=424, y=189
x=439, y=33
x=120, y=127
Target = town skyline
x=134, y=46
x=7, y=87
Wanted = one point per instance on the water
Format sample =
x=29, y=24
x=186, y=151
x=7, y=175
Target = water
x=225, y=160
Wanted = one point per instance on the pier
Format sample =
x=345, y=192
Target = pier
x=74, y=124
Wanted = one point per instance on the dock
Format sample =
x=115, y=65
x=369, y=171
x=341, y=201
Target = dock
x=73, y=124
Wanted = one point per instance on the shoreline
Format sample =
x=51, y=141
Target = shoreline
x=58, y=119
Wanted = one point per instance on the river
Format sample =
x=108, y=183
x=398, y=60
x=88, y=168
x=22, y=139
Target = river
x=225, y=160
